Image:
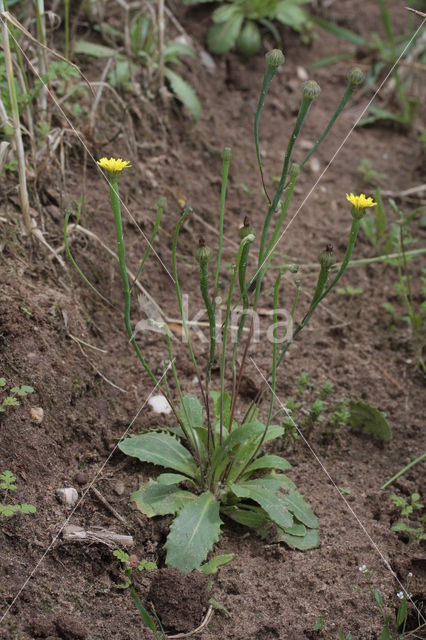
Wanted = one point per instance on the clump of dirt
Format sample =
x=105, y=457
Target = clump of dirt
x=179, y=600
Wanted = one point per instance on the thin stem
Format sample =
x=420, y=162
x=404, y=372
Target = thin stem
x=160, y=19
x=23, y=192
x=115, y=202
x=67, y=28
x=181, y=220
x=226, y=159
x=248, y=239
x=356, y=223
x=275, y=236
x=270, y=71
x=244, y=294
x=68, y=213
x=160, y=208
x=274, y=352
x=303, y=112
x=349, y=91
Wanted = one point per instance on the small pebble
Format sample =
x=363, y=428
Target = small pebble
x=36, y=415
x=119, y=487
x=159, y=404
x=68, y=496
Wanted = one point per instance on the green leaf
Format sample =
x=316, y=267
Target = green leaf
x=318, y=623
x=218, y=606
x=193, y=533
x=146, y=617
x=191, y=412
x=222, y=37
x=162, y=449
x=225, y=13
x=2, y=382
x=213, y=565
x=340, y=32
x=175, y=49
x=273, y=503
x=121, y=555
x=144, y=565
x=301, y=509
x=7, y=480
x=171, y=478
x=303, y=543
x=27, y=508
x=10, y=401
x=291, y=15
x=248, y=516
x=268, y=462
x=378, y=598
x=23, y=390
x=369, y=419
x=297, y=529
x=226, y=406
x=184, y=93
x=402, y=612
x=86, y=48
x=155, y=499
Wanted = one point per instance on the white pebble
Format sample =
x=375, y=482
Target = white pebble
x=68, y=496
x=159, y=404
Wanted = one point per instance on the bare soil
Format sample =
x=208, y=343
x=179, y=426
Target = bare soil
x=91, y=397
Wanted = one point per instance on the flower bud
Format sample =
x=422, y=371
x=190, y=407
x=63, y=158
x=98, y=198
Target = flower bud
x=275, y=58
x=246, y=229
x=355, y=76
x=227, y=154
x=327, y=258
x=311, y=89
x=294, y=170
x=162, y=202
x=203, y=253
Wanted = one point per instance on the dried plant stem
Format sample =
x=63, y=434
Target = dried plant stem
x=160, y=21
x=19, y=145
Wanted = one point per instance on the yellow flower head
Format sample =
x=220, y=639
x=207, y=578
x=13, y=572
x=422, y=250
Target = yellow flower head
x=114, y=166
x=360, y=202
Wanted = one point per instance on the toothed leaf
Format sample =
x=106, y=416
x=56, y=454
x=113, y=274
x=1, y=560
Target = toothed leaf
x=193, y=533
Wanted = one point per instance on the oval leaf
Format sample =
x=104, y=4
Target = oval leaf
x=269, y=462
x=193, y=533
x=155, y=499
x=301, y=509
x=162, y=449
x=184, y=92
x=273, y=503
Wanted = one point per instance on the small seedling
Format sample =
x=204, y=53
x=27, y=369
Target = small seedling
x=411, y=510
x=11, y=400
x=8, y=483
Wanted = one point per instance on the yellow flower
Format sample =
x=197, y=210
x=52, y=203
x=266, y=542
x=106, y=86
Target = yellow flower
x=360, y=202
x=114, y=166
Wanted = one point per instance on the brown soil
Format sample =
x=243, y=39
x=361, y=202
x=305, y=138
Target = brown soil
x=69, y=590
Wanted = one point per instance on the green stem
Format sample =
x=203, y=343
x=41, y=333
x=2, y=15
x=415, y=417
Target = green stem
x=349, y=91
x=68, y=213
x=226, y=159
x=248, y=239
x=275, y=236
x=160, y=208
x=356, y=223
x=204, y=288
x=244, y=295
x=303, y=112
x=267, y=79
x=115, y=202
x=67, y=28
x=401, y=472
x=181, y=220
x=274, y=353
